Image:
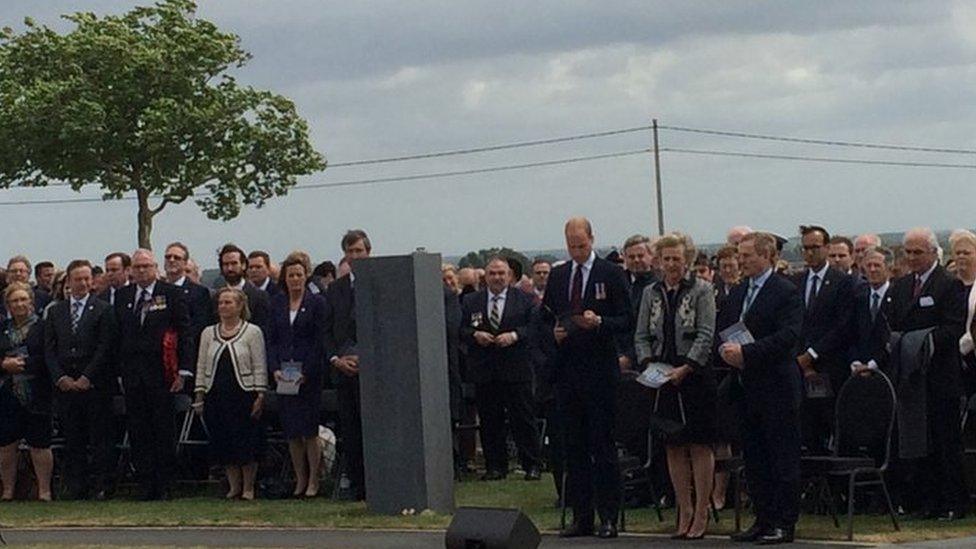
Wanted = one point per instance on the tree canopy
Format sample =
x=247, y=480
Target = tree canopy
x=144, y=103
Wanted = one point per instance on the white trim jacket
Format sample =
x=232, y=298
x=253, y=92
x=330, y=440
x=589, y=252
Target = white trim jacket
x=247, y=354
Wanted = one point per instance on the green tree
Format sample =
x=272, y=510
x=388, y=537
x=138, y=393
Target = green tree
x=143, y=103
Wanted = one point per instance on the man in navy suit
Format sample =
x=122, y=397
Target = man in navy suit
x=198, y=299
x=340, y=348
x=259, y=273
x=233, y=265
x=78, y=336
x=768, y=388
x=497, y=328
x=929, y=297
x=872, y=333
x=588, y=299
x=149, y=312
x=828, y=299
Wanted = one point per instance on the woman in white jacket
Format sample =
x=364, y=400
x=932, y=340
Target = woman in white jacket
x=232, y=377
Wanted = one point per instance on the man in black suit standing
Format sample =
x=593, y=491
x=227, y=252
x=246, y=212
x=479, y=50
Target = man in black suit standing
x=198, y=300
x=259, y=272
x=497, y=329
x=871, y=304
x=588, y=299
x=767, y=388
x=340, y=347
x=153, y=323
x=828, y=299
x=638, y=263
x=233, y=262
x=928, y=297
x=78, y=337
x=118, y=267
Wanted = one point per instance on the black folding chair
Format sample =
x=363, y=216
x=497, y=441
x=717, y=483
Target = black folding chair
x=865, y=416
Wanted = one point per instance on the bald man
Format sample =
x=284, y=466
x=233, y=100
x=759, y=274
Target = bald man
x=590, y=304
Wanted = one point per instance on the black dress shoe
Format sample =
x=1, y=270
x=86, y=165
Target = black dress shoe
x=577, y=530
x=533, y=474
x=775, y=536
x=750, y=535
x=493, y=475
x=607, y=530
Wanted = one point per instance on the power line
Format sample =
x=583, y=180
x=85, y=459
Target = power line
x=708, y=152
x=835, y=143
x=490, y=148
x=357, y=182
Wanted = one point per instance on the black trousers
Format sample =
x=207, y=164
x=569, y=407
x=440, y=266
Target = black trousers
x=588, y=410
x=86, y=419
x=940, y=481
x=351, y=431
x=497, y=401
x=555, y=444
x=771, y=451
x=152, y=429
x=817, y=422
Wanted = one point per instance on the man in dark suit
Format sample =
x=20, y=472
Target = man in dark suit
x=148, y=313
x=340, y=347
x=118, y=266
x=828, y=300
x=79, y=334
x=872, y=332
x=259, y=273
x=233, y=262
x=198, y=300
x=767, y=388
x=929, y=297
x=588, y=300
x=497, y=330
x=638, y=257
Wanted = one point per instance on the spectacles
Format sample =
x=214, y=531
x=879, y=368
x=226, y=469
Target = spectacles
x=174, y=257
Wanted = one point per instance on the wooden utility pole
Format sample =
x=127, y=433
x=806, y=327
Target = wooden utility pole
x=657, y=182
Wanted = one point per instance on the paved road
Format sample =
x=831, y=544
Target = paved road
x=338, y=539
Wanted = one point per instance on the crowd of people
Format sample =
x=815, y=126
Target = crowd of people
x=555, y=342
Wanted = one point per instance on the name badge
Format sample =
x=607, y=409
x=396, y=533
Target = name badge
x=600, y=291
x=926, y=301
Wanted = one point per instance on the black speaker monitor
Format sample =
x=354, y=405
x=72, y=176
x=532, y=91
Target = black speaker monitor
x=491, y=528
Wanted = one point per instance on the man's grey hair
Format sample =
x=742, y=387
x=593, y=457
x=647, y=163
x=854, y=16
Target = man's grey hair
x=885, y=253
x=922, y=233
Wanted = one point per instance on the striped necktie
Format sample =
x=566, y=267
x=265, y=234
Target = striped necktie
x=495, y=316
x=76, y=308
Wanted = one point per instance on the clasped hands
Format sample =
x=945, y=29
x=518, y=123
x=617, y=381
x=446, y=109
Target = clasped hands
x=486, y=339
x=587, y=321
x=67, y=385
x=347, y=364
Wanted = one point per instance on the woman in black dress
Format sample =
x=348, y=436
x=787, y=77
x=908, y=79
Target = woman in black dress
x=25, y=392
x=232, y=377
x=675, y=326
x=296, y=334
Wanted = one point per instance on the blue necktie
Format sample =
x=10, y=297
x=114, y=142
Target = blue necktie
x=750, y=297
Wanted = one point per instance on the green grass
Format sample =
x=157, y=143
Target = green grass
x=534, y=498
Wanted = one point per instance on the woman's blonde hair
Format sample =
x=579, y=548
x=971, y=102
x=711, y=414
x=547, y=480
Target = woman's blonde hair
x=240, y=297
x=17, y=286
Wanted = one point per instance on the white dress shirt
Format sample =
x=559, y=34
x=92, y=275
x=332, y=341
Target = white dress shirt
x=586, y=267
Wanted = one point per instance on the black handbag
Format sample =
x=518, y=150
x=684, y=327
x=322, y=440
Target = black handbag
x=665, y=426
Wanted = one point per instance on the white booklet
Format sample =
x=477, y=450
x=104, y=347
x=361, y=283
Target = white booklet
x=736, y=333
x=656, y=375
x=291, y=372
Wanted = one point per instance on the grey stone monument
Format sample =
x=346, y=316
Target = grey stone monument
x=403, y=382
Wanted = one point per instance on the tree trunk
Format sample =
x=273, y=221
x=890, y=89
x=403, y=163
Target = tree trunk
x=145, y=217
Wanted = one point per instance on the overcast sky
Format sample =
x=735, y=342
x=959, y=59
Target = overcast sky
x=379, y=79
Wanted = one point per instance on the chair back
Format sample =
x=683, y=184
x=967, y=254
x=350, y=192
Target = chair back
x=865, y=417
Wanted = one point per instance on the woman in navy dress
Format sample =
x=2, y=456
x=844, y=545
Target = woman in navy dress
x=295, y=337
